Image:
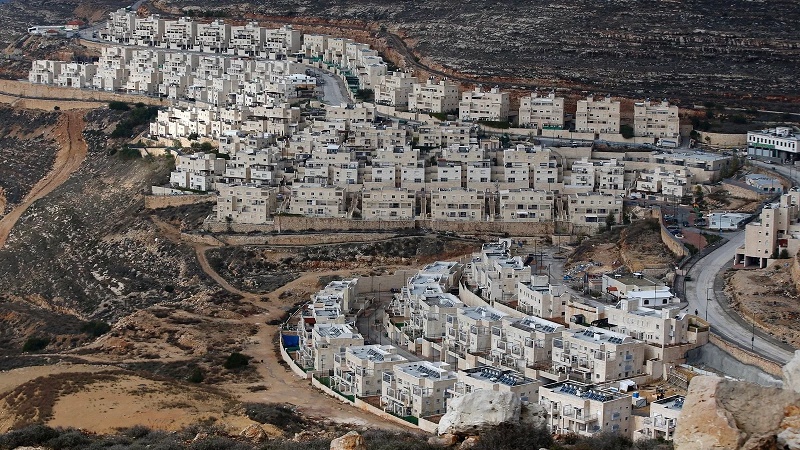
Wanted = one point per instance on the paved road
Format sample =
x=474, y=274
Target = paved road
x=708, y=283
x=334, y=91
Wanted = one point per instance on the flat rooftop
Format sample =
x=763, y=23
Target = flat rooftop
x=336, y=330
x=483, y=312
x=426, y=369
x=443, y=300
x=495, y=375
x=633, y=280
x=583, y=391
x=674, y=403
x=599, y=335
x=533, y=323
x=378, y=353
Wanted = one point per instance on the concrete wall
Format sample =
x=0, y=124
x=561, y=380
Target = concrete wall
x=296, y=223
x=740, y=191
x=616, y=137
x=795, y=271
x=156, y=202
x=723, y=140
x=304, y=239
x=734, y=362
x=39, y=91
x=292, y=365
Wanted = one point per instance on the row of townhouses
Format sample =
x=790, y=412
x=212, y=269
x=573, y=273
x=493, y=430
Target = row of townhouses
x=573, y=357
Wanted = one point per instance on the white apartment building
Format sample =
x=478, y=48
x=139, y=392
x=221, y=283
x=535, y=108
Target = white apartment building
x=417, y=388
x=777, y=229
x=394, y=88
x=245, y=204
x=434, y=96
x=383, y=175
x=463, y=154
x=387, y=203
x=429, y=311
x=445, y=135
x=597, y=116
x=781, y=143
x=656, y=120
x=76, y=75
x=197, y=171
x=607, y=177
x=44, y=71
x=586, y=409
x=326, y=341
x=486, y=378
x=669, y=183
x=663, y=420
x=526, y=205
x=469, y=331
x=635, y=285
x=360, y=369
x=541, y=112
x=598, y=355
x=351, y=113
x=592, y=208
x=316, y=200
x=477, y=105
x=458, y=204
x=541, y=299
x=520, y=343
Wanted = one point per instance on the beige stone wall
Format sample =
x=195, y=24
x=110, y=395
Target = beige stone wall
x=795, y=271
x=740, y=192
x=295, y=223
x=723, y=140
x=28, y=92
x=747, y=357
x=166, y=201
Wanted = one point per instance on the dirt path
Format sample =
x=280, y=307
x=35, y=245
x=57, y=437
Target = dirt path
x=71, y=153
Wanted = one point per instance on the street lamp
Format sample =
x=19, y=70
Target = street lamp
x=707, y=299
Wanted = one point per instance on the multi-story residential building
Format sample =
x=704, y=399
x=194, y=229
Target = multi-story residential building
x=477, y=105
x=387, y=203
x=446, y=175
x=469, y=331
x=149, y=31
x=598, y=355
x=638, y=286
x=585, y=409
x=360, y=369
x=445, y=135
x=527, y=205
x=434, y=96
x=180, y=34
x=394, y=88
x=520, y=343
x=327, y=340
x=463, y=154
x=429, y=311
x=486, y=378
x=75, y=75
x=776, y=230
x=417, y=388
x=351, y=113
x=341, y=292
x=44, y=71
x=669, y=183
x=245, y=204
x=764, y=184
x=479, y=176
x=120, y=26
x=541, y=112
x=458, y=204
x=663, y=420
x=597, y=116
x=781, y=143
x=542, y=299
x=593, y=208
x=658, y=121
x=317, y=200
x=197, y=171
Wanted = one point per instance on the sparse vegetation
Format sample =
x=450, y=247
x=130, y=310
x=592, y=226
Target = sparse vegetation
x=281, y=415
x=236, y=360
x=35, y=344
x=96, y=328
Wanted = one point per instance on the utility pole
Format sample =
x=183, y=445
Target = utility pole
x=707, y=300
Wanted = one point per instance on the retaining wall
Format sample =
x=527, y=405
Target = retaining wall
x=292, y=365
x=27, y=90
x=166, y=201
x=364, y=406
x=735, y=362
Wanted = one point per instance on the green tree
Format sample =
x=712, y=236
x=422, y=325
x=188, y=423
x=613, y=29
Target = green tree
x=236, y=360
x=784, y=254
x=626, y=131
x=611, y=220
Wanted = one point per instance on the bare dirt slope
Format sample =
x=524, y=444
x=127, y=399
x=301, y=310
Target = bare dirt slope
x=72, y=151
x=767, y=297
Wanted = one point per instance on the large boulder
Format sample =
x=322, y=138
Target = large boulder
x=533, y=414
x=478, y=409
x=726, y=414
x=791, y=373
x=254, y=433
x=350, y=441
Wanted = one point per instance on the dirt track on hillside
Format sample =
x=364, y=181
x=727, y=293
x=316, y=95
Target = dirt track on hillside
x=71, y=153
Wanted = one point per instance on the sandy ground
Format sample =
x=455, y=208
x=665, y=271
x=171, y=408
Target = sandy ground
x=71, y=154
x=769, y=297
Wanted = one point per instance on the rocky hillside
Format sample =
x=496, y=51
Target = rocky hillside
x=709, y=49
x=27, y=151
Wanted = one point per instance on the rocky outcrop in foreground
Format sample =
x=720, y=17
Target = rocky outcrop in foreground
x=725, y=414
